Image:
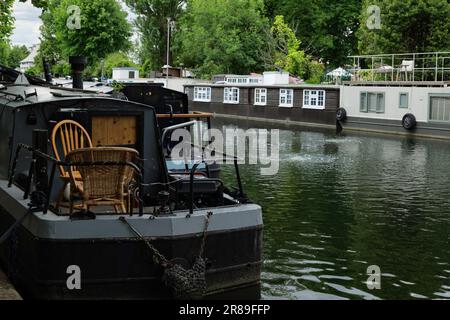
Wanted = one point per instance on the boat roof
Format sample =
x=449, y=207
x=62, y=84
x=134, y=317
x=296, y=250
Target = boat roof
x=15, y=96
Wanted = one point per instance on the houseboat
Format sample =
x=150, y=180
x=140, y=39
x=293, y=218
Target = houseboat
x=131, y=228
x=269, y=97
x=406, y=94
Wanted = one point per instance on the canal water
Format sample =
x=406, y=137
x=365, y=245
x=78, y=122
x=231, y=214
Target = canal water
x=342, y=203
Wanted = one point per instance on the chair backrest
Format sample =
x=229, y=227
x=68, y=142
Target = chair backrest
x=407, y=65
x=104, y=181
x=71, y=136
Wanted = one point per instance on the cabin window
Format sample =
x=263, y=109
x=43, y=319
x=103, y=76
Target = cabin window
x=231, y=95
x=404, y=101
x=202, y=94
x=373, y=102
x=286, y=97
x=440, y=109
x=260, y=97
x=314, y=99
x=131, y=75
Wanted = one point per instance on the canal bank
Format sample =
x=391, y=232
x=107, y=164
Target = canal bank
x=7, y=291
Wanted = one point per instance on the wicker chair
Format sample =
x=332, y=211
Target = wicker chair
x=103, y=185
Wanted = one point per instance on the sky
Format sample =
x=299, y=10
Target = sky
x=27, y=23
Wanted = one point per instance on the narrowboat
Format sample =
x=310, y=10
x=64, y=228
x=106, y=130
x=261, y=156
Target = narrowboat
x=159, y=235
x=271, y=97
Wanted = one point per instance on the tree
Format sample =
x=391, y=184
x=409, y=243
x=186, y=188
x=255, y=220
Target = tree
x=406, y=26
x=222, y=36
x=6, y=19
x=17, y=54
x=103, y=29
x=288, y=55
x=326, y=28
x=152, y=24
x=6, y=28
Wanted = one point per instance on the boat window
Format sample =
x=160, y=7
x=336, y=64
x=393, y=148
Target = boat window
x=202, y=94
x=363, y=102
x=372, y=102
x=231, y=95
x=440, y=109
x=260, y=97
x=404, y=100
x=314, y=99
x=286, y=97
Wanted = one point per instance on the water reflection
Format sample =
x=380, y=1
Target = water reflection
x=342, y=203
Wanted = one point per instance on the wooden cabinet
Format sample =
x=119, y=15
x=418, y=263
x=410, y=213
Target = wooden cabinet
x=114, y=130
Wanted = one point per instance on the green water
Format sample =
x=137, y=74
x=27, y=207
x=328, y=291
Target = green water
x=342, y=203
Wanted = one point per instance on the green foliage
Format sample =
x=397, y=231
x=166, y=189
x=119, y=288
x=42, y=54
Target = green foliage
x=17, y=54
x=222, y=36
x=288, y=55
x=152, y=25
x=113, y=60
x=4, y=52
x=326, y=28
x=6, y=28
x=104, y=30
x=38, y=3
x=406, y=26
x=11, y=56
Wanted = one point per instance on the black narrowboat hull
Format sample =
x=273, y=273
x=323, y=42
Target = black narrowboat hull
x=124, y=268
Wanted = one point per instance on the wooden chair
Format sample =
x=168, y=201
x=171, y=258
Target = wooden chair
x=68, y=136
x=103, y=185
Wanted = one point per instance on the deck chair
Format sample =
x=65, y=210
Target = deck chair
x=68, y=136
x=103, y=185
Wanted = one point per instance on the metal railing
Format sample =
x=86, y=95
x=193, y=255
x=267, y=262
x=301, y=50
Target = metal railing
x=406, y=67
x=47, y=191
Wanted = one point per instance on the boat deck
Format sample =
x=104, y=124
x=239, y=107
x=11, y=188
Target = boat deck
x=7, y=291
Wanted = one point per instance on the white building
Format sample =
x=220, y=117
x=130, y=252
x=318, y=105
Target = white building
x=272, y=78
x=28, y=62
x=125, y=73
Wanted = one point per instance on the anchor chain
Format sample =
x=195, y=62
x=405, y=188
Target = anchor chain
x=184, y=283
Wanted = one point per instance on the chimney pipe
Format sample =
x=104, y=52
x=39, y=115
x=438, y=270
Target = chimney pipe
x=78, y=64
x=47, y=72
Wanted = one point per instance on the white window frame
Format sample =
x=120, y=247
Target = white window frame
x=202, y=94
x=286, y=94
x=228, y=92
x=259, y=93
x=314, y=99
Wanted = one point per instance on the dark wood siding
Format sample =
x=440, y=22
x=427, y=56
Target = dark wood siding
x=272, y=110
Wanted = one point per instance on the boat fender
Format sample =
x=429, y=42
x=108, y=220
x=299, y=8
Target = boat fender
x=341, y=114
x=409, y=121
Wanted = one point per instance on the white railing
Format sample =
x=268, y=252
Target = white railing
x=408, y=67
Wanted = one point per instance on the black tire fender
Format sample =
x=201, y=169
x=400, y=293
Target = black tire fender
x=341, y=114
x=409, y=121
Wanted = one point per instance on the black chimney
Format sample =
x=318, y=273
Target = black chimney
x=47, y=72
x=78, y=64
